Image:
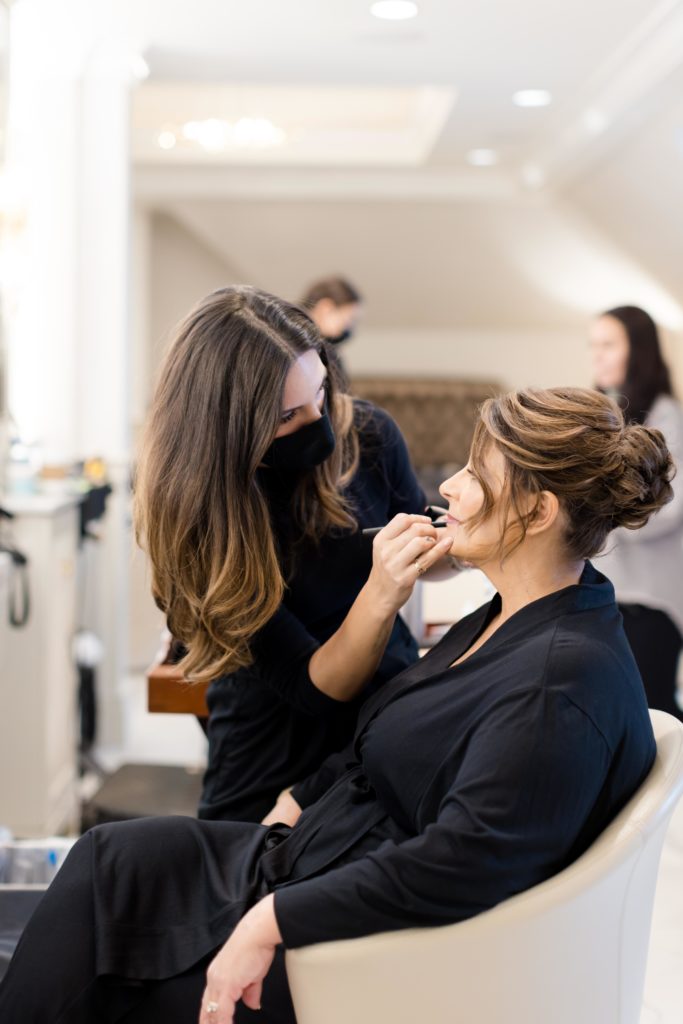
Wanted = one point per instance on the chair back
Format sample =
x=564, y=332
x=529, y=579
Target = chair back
x=572, y=949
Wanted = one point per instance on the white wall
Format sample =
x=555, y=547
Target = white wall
x=181, y=271
x=184, y=267
x=515, y=358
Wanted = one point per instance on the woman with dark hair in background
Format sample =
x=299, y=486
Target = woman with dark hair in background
x=646, y=567
x=486, y=768
x=256, y=477
x=335, y=306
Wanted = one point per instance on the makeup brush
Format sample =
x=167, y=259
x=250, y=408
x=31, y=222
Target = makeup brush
x=431, y=510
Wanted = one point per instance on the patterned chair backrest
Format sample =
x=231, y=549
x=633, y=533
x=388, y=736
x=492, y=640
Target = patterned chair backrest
x=436, y=415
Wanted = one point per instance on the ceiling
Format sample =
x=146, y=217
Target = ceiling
x=579, y=212
x=600, y=61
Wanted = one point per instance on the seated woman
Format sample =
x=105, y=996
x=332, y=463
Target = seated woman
x=475, y=774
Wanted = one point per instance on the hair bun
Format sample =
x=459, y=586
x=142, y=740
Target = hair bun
x=642, y=483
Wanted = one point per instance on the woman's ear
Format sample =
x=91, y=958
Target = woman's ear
x=547, y=511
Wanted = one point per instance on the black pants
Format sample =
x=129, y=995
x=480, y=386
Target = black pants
x=52, y=978
x=656, y=644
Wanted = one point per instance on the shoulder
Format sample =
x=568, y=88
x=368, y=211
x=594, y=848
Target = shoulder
x=666, y=415
x=377, y=429
x=371, y=418
x=590, y=665
x=587, y=643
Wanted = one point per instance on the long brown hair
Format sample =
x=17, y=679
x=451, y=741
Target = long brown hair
x=200, y=508
x=575, y=443
x=647, y=375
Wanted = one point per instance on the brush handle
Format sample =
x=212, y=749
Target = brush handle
x=372, y=531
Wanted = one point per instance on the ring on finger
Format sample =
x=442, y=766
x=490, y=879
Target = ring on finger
x=212, y=1007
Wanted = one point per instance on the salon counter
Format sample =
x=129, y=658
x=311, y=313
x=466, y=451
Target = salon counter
x=38, y=742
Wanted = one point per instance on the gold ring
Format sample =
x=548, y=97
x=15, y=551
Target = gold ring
x=420, y=568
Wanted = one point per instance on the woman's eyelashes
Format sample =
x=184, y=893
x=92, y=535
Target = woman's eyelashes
x=288, y=416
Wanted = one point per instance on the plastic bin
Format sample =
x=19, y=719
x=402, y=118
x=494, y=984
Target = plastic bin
x=27, y=866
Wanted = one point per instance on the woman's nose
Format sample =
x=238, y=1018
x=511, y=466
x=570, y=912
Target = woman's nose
x=310, y=413
x=449, y=488
x=444, y=489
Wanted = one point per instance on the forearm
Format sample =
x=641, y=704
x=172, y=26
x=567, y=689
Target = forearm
x=347, y=661
x=260, y=924
x=405, y=548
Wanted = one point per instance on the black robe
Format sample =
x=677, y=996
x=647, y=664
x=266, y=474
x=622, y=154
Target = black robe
x=463, y=786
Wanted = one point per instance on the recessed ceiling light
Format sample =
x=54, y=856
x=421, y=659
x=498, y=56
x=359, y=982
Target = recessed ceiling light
x=532, y=98
x=166, y=139
x=212, y=134
x=482, y=157
x=394, y=10
x=215, y=134
x=257, y=131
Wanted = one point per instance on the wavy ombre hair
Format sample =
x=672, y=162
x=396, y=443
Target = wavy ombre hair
x=200, y=510
x=575, y=443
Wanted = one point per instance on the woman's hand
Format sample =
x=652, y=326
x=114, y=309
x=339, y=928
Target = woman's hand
x=285, y=810
x=238, y=969
x=402, y=552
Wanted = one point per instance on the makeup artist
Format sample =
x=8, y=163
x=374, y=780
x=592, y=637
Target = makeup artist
x=256, y=479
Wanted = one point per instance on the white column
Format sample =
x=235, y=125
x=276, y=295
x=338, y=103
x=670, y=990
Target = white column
x=43, y=162
x=141, y=378
x=104, y=365
x=68, y=330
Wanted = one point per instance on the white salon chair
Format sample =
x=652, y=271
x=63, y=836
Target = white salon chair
x=572, y=950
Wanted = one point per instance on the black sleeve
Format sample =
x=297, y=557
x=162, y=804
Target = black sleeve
x=405, y=492
x=283, y=647
x=282, y=650
x=532, y=772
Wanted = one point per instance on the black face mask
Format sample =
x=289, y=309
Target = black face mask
x=303, y=450
x=340, y=338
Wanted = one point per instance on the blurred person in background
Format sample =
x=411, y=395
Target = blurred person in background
x=335, y=306
x=645, y=566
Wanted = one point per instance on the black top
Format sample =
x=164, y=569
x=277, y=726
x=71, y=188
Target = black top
x=463, y=786
x=510, y=765
x=269, y=725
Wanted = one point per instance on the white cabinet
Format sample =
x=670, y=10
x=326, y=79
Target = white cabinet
x=38, y=683
x=4, y=613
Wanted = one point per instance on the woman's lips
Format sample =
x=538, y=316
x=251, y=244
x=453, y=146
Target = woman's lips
x=452, y=519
